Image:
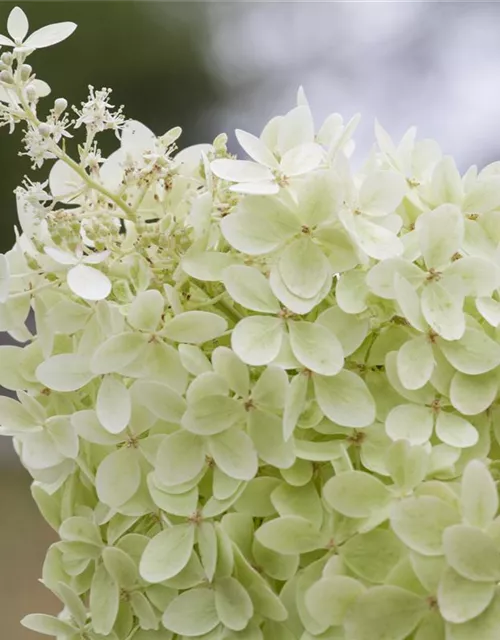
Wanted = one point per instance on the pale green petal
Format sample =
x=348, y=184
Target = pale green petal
x=296, y=127
x=301, y=159
x=234, y=453
x=120, y=567
x=443, y=311
x=474, y=353
x=159, y=399
x=207, y=384
x=490, y=310
x=303, y=268
x=292, y=302
x=375, y=240
x=329, y=599
x=227, y=364
x=349, y=330
x=295, y=403
x=213, y=414
x=412, y=422
x=472, y=553
x=317, y=195
x=176, y=504
x=484, y=626
x=270, y=389
x=460, y=599
x=316, y=347
x=409, y=302
x=249, y=287
x=275, y=565
x=146, y=310
x=206, y=538
x=351, y=292
x=167, y=553
x=455, y=431
x=380, y=278
x=240, y=170
x=479, y=277
x=420, y=522
x=373, y=555
x=233, y=604
x=290, y=535
x=207, y=266
x=345, y=399
x=117, y=352
x=266, y=431
x=104, y=601
x=65, y=372
x=259, y=225
x=47, y=625
x=193, y=359
x=113, y=405
x=256, y=498
x=298, y=501
x=194, y=327
x=180, y=458
x=192, y=613
x=147, y=617
x=257, y=339
x=381, y=192
x=80, y=529
x=256, y=149
x=440, y=233
x=415, y=362
x=473, y=394
x=408, y=465
x=15, y=418
x=356, y=494
x=384, y=613
x=118, y=477
x=479, y=495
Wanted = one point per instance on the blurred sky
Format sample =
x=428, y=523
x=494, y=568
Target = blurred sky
x=215, y=66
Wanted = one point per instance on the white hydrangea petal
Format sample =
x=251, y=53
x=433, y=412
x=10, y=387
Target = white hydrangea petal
x=294, y=303
x=47, y=625
x=234, y=453
x=345, y=399
x=227, y=364
x=490, y=310
x=303, y=268
x=64, y=182
x=295, y=128
x=474, y=353
x=262, y=188
x=192, y=613
x=356, y=494
x=118, y=477
x=194, y=327
x=460, y=599
x=212, y=415
x=415, y=362
x=472, y=395
x=162, y=401
x=88, y=283
x=443, y=311
x=146, y=310
x=446, y=183
x=302, y=159
x=7, y=42
x=257, y=339
x=471, y=553
x=479, y=495
x=113, y=405
x=440, y=233
x=259, y=225
x=480, y=277
x=61, y=256
x=4, y=278
x=409, y=302
x=250, y=288
x=181, y=457
x=256, y=149
x=349, y=330
x=316, y=348
x=455, y=431
x=270, y=389
x=351, y=292
x=65, y=372
x=49, y=35
x=295, y=403
x=167, y=553
x=290, y=535
x=136, y=138
x=266, y=431
x=381, y=193
x=410, y=422
x=207, y=266
x=381, y=276
x=118, y=351
x=375, y=240
x=241, y=171
x=17, y=24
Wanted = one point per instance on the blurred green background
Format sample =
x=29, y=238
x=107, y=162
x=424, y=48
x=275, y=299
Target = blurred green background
x=214, y=66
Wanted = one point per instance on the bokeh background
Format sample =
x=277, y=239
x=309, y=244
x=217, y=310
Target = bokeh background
x=213, y=66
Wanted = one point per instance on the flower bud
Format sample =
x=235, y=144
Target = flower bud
x=60, y=105
x=44, y=129
x=31, y=93
x=6, y=76
x=7, y=58
x=25, y=72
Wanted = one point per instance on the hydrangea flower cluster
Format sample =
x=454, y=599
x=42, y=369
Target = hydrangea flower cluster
x=261, y=402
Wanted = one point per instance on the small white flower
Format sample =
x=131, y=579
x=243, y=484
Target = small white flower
x=17, y=27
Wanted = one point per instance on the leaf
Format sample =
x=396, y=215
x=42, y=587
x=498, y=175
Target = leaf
x=88, y=283
x=460, y=599
x=234, y=453
x=329, y=599
x=484, y=626
x=65, y=372
x=47, y=625
x=356, y=494
x=412, y=422
x=113, y=405
x=162, y=401
x=192, y=613
x=373, y=555
x=103, y=601
x=249, y=287
x=419, y=522
x=194, y=327
x=259, y=225
x=213, y=414
x=415, y=362
x=257, y=339
x=233, y=604
x=146, y=310
x=180, y=458
x=316, y=347
x=455, y=431
x=266, y=431
x=167, y=553
x=473, y=394
x=49, y=35
x=443, y=311
x=474, y=353
x=440, y=233
x=117, y=352
x=345, y=399
x=384, y=613
x=118, y=477
x=290, y=535
x=479, y=495
x=471, y=553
